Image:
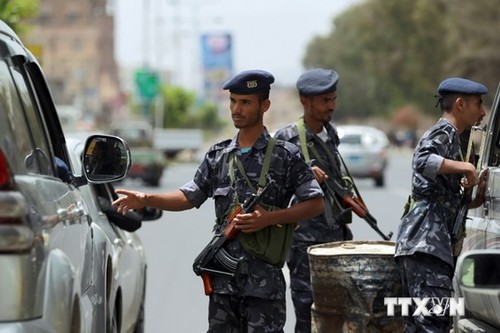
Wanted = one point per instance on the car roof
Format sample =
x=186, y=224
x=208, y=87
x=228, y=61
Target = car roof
x=6, y=30
x=362, y=131
x=358, y=129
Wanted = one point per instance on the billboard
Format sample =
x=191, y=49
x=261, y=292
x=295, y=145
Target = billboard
x=217, y=61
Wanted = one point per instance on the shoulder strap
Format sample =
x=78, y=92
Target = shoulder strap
x=304, y=145
x=267, y=162
x=263, y=172
x=302, y=138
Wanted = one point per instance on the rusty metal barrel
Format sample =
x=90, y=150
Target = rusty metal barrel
x=349, y=282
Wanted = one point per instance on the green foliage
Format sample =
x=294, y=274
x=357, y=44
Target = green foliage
x=473, y=32
x=16, y=12
x=206, y=117
x=181, y=111
x=176, y=106
x=391, y=53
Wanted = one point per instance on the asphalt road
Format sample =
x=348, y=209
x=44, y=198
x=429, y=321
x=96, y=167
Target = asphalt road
x=175, y=300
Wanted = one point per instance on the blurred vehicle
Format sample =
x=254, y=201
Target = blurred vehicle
x=122, y=254
x=477, y=276
x=148, y=162
x=364, y=150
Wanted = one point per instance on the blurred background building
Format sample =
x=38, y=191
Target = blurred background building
x=75, y=45
x=75, y=42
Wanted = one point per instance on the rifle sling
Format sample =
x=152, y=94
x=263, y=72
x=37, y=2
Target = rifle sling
x=265, y=168
x=304, y=145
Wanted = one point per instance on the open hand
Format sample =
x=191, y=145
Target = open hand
x=129, y=200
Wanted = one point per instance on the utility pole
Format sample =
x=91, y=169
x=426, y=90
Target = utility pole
x=146, y=34
x=146, y=79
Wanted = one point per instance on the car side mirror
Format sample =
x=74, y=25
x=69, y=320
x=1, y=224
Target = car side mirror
x=106, y=158
x=151, y=214
x=479, y=269
x=478, y=277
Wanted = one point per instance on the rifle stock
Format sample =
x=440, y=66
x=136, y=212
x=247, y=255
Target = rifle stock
x=207, y=283
x=214, y=248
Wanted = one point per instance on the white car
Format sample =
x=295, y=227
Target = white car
x=364, y=150
x=57, y=271
x=477, y=275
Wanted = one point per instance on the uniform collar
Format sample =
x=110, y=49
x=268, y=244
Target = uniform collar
x=260, y=144
x=330, y=130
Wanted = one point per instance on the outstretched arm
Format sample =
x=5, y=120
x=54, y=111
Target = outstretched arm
x=171, y=201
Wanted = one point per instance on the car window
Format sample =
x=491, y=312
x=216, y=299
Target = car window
x=370, y=139
x=353, y=139
x=14, y=140
x=41, y=156
x=43, y=99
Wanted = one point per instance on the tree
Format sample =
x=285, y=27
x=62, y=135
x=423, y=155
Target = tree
x=181, y=110
x=16, y=12
x=206, y=117
x=176, y=106
x=476, y=41
x=391, y=53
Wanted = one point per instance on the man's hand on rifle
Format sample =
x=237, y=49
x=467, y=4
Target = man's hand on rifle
x=252, y=222
x=319, y=174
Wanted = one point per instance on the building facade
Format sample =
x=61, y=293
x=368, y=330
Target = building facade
x=75, y=42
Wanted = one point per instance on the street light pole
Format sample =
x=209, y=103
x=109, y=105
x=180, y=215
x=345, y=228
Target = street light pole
x=146, y=33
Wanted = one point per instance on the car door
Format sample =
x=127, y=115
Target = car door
x=481, y=249
x=483, y=225
x=61, y=270
x=492, y=205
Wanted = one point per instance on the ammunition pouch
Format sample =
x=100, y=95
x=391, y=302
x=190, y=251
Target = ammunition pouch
x=270, y=244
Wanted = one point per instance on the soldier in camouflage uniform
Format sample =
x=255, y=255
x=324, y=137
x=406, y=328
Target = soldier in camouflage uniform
x=424, y=245
x=317, y=90
x=254, y=299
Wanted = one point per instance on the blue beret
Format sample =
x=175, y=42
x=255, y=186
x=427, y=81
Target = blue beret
x=317, y=82
x=249, y=82
x=461, y=86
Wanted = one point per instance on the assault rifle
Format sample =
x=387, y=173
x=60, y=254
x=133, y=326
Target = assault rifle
x=214, y=253
x=466, y=193
x=349, y=199
x=460, y=218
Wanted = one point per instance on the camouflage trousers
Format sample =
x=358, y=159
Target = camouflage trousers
x=234, y=314
x=300, y=285
x=423, y=276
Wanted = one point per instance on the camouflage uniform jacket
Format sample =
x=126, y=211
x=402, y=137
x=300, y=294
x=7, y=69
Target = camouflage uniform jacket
x=293, y=177
x=427, y=226
x=317, y=229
